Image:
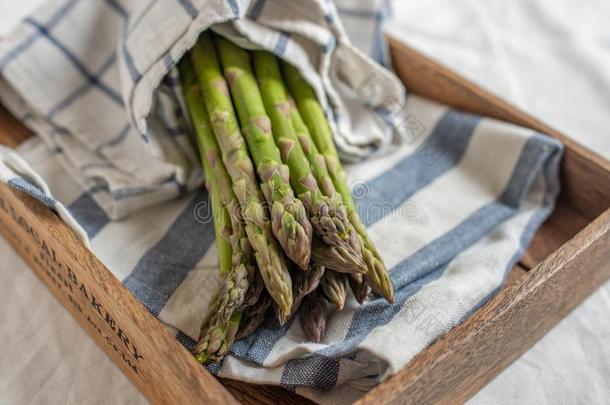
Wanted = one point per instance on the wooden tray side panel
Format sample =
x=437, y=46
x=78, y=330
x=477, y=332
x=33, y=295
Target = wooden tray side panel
x=469, y=356
x=146, y=352
x=585, y=175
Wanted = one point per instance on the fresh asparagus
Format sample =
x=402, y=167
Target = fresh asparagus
x=215, y=346
x=234, y=152
x=311, y=114
x=337, y=258
x=361, y=290
x=329, y=220
x=313, y=317
x=305, y=283
x=257, y=286
x=288, y=216
x=219, y=331
x=334, y=286
x=224, y=203
x=254, y=316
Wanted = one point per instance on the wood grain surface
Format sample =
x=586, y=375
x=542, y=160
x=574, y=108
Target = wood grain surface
x=162, y=369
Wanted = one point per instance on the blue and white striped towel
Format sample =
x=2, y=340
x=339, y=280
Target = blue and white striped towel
x=451, y=207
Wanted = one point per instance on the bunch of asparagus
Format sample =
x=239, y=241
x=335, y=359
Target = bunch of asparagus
x=287, y=232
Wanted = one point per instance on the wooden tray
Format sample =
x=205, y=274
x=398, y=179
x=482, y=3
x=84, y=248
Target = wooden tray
x=567, y=260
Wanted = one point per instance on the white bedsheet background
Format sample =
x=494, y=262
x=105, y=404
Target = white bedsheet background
x=549, y=57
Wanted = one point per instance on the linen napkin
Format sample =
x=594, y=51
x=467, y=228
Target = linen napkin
x=450, y=199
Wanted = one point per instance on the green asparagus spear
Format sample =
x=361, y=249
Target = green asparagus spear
x=305, y=283
x=199, y=118
x=313, y=317
x=234, y=152
x=218, y=332
x=215, y=346
x=334, y=286
x=329, y=221
x=254, y=316
x=361, y=290
x=311, y=114
x=337, y=258
x=288, y=216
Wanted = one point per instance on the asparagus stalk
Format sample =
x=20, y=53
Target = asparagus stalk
x=334, y=286
x=337, y=258
x=255, y=291
x=217, y=345
x=254, y=316
x=224, y=203
x=362, y=290
x=234, y=153
x=222, y=230
x=311, y=115
x=288, y=216
x=313, y=317
x=217, y=334
x=306, y=283
x=329, y=220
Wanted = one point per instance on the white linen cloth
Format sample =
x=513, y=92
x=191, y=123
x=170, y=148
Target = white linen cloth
x=505, y=195
x=552, y=59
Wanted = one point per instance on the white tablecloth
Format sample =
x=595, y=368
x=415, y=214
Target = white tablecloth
x=549, y=57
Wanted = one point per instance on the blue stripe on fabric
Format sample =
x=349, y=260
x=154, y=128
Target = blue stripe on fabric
x=18, y=50
x=55, y=18
x=22, y=184
x=190, y=9
x=281, y=44
x=257, y=346
x=535, y=152
x=134, y=23
x=376, y=310
x=61, y=13
x=257, y=9
x=430, y=262
x=312, y=371
x=165, y=265
x=131, y=66
x=168, y=61
x=82, y=89
x=234, y=7
x=215, y=368
x=186, y=341
x=116, y=6
x=98, y=188
x=440, y=152
x=330, y=45
x=89, y=215
x=75, y=61
x=114, y=141
x=551, y=178
x=378, y=45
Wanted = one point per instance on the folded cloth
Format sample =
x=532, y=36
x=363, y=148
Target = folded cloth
x=92, y=79
x=451, y=208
